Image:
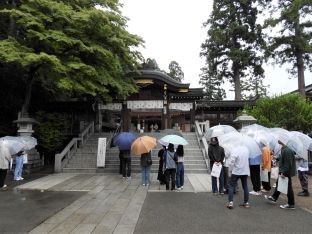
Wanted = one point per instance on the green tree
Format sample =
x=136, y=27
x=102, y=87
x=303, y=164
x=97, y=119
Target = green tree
x=150, y=64
x=234, y=41
x=290, y=111
x=175, y=71
x=253, y=88
x=69, y=46
x=212, y=86
x=291, y=42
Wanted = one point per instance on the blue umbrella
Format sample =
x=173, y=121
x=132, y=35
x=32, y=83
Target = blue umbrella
x=124, y=140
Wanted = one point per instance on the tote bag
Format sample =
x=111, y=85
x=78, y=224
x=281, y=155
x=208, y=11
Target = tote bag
x=216, y=169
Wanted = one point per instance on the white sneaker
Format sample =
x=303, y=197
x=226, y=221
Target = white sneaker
x=255, y=193
x=17, y=179
x=4, y=186
x=181, y=187
x=20, y=178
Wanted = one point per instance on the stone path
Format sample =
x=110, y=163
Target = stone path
x=110, y=205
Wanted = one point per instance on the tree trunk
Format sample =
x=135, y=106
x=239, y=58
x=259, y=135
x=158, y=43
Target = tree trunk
x=301, y=82
x=237, y=86
x=29, y=84
x=299, y=58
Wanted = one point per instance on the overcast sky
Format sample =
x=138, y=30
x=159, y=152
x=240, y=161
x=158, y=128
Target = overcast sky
x=172, y=31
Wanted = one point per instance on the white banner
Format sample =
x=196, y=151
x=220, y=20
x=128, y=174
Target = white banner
x=101, y=153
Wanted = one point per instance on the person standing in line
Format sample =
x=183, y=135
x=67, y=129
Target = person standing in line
x=5, y=158
x=239, y=162
x=266, y=164
x=120, y=161
x=216, y=155
x=303, y=168
x=19, y=162
x=170, y=159
x=161, y=177
x=180, y=167
x=287, y=168
x=126, y=164
x=146, y=162
x=255, y=166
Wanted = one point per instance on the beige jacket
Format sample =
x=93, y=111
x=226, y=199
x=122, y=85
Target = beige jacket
x=5, y=156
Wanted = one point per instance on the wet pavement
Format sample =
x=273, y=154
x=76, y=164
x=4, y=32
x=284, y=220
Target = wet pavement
x=22, y=210
x=105, y=203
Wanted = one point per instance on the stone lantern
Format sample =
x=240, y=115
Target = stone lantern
x=244, y=120
x=25, y=125
x=25, y=128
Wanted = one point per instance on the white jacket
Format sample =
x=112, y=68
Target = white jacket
x=239, y=161
x=5, y=156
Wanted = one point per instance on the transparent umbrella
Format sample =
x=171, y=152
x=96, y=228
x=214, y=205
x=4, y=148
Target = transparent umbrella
x=292, y=141
x=19, y=143
x=233, y=139
x=219, y=130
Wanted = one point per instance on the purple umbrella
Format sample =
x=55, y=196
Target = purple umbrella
x=124, y=140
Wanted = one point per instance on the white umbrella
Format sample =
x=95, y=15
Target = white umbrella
x=260, y=134
x=231, y=140
x=219, y=130
x=305, y=139
x=19, y=143
x=292, y=141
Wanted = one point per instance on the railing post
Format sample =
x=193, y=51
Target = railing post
x=58, y=163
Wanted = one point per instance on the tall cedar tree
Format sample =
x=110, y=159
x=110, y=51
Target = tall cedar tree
x=175, y=71
x=69, y=46
x=234, y=41
x=291, y=42
x=213, y=90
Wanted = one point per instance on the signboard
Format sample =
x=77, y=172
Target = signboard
x=101, y=152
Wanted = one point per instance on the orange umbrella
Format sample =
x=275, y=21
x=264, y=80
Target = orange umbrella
x=143, y=144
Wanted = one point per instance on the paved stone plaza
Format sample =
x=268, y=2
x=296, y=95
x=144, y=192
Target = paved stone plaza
x=105, y=203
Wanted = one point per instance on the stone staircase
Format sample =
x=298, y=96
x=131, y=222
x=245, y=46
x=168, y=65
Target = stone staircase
x=84, y=160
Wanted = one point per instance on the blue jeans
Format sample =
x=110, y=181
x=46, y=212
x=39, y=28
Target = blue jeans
x=233, y=185
x=18, y=167
x=180, y=174
x=145, y=172
x=221, y=182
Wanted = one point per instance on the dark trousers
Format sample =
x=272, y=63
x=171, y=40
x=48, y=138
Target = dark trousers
x=304, y=180
x=233, y=185
x=255, y=177
x=226, y=178
x=3, y=173
x=267, y=185
x=290, y=193
x=170, y=174
x=126, y=167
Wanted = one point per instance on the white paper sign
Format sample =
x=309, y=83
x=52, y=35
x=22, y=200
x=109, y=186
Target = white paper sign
x=216, y=169
x=282, y=184
x=264, y=175
x=101, y=153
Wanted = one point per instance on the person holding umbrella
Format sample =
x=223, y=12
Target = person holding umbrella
x=146, y=163
x=126, y=164
x=5, y=157
x=287, y=168
x=170, y=159
x=216, y=155
x=19, y=162
x=161, y=177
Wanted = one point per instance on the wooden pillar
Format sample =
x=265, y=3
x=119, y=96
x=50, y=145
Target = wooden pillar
x=125, y=117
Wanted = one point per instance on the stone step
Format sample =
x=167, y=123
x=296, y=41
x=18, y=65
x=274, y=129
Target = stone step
x=85, y=157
